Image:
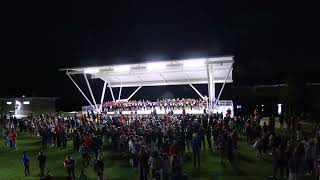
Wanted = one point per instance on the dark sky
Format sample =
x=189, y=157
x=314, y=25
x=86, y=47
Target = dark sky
x=270, y=39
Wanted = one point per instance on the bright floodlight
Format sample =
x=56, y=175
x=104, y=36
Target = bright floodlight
x=193, y=63
x=91, y=71
x=156, y=66
x=18, y=105
x=279, y=109
x=26, y=102
x=9, y=103
x=121, y=68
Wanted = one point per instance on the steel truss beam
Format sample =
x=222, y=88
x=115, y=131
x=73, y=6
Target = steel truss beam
x=80, y=90
x=216, y=102
x=90, y=90
x=196, y=90
x=102, y=95
x=134, y=93
x=119, y=96
x=111, y=91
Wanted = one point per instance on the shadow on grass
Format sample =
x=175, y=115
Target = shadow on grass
x=244, y=158
x=237, y=170
x=266, y=159
x=199, y=172
x=32, y=143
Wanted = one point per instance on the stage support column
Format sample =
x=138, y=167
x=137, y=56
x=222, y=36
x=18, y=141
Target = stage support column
x=211, y=88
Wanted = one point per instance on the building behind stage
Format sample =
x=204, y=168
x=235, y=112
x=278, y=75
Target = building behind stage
x=24, y=106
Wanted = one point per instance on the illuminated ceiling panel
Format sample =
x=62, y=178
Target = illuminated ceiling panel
x=174, y=72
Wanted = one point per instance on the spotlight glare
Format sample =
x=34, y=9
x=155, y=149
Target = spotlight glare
x=26, y=102
x=91, y=71
x=156, y=66
x=121, y=68
x=279, y=109
x=193, y=63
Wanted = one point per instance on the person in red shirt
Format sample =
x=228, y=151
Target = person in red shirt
x=122, y=120
x=173, y=151
x=13, y=138
x=69, y=164
x=87, y=141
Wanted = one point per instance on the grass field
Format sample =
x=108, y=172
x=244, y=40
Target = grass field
x=245, y=166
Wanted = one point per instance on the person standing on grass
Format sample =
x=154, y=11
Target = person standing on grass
x=208, y=134
x=175, y=164
x=200, y=136
x=311, y=154
x=165, y=167
x=99, y=166
x=82, y=176
x=173, y=150
x=69, y=164
x=258, y=147
x=155, y=163
x=26, y=161
x=296, y=163
x=281, y=120
x=179, y=175
x=44, y=135
x=5, y=134
x=42, y=162
x=143, y=157
x=189, y=138
x=13, y=138
x=196, y=150
x=276, y=156
x=132, y=151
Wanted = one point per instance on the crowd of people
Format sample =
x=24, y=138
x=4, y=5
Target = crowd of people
x=294, y=153
x=9, y=136
x=157, y=145
x=165, y=104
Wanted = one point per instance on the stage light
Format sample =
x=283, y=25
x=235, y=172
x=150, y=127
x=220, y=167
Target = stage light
x=262, y=105
x=18, y=105
x=279, y=109
x=9, y=103
x=91, y=71
x=193, y=63
x=26, y=102
x=156, y=66
x=121, y=68
x=238, y=106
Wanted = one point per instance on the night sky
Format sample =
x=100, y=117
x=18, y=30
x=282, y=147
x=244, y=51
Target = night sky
x=271, y=40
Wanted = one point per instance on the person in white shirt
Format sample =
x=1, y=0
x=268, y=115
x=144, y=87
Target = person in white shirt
x=231, y=124
x=132, y=151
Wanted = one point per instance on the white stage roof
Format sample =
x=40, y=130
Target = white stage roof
x=171, y=72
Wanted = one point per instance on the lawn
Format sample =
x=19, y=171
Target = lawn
x=245, y=166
